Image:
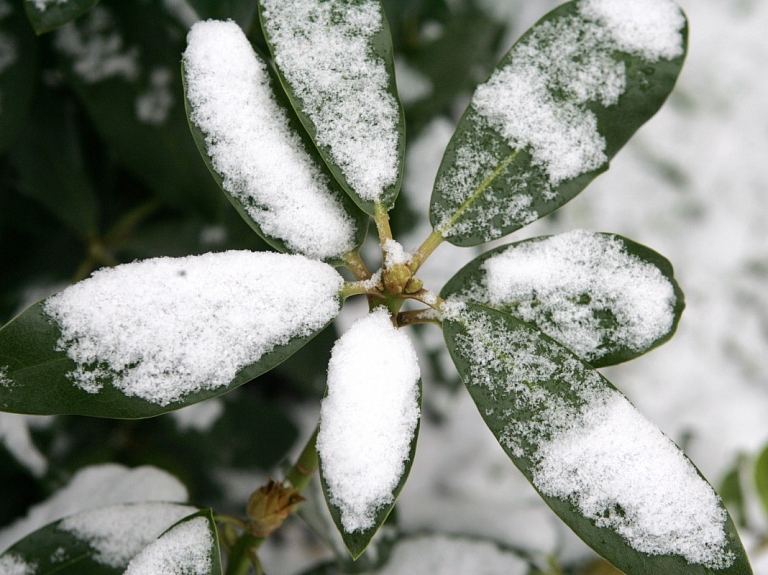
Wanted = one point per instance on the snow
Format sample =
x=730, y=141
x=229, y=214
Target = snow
x=182, y=11
x=394, y=254
x=623, y=473
x=154, y=104
x=11, y=564
x=42, y=5
x=16, y=437
x=262, y=161
x=119, y=532
x=588, y=445
x=566, y=283
x=163, y=328
x=324, y=50
x=200, y=417
x=93, y=487
x=98, y=52
x=572, y=56
x=368, y=418
x=184, y=550
x=412, y=85
x=443, y=555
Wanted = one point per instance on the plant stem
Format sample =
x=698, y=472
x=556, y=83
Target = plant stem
x=357, y=288
x=381, y=218
x=426, y=249
x=240, y=558
x=414, y=316
x=301, y=473
x=356, y=265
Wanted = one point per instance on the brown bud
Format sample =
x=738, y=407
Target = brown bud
x=269, y=506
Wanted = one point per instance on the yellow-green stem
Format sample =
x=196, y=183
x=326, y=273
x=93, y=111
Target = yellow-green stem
x=240, y=558
x=356, y=265
x=301, y=473
x=381, y=218
x=426, y=249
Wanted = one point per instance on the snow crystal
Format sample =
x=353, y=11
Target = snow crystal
x=97, y=486
x=566, y=283
x=324, y=51
x=623, y=473
x=588, y=445
x=5, y=381
x=184, y=550
x=538, y=101
x=368, y=418
x=42, y=5
x=98, y=51
x=166, y=327
x=444, y=555
x=153, y=105
x=394, y=254
x=118, y=533
x=59, y=555
x=11, y=564
x=262, y=161
x=199, y=416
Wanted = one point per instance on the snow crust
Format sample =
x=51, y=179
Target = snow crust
x=324, y=50
x=93, y=487
x=538, y=102
x=119, y=532
x=444, y=555
x=368, y=418
x=566, y=283
x=262, y=161
x=587, y=444
x=97, y=50
x=184, y=550
x=11, y=564
x=162, y=328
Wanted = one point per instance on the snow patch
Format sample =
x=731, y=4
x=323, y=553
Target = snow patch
x=184, y=550
x=262, y=161
x=163, y=328
x=42, y=5
x=368, y=418
x=154, y=104
x=11, y=564
x=15, y=435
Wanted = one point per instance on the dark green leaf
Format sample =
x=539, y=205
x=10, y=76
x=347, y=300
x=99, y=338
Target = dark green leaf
x=732, y=494
x=136, y=102
x=46, y=15
x=66, y=547
x=604, y=296
x=358, y=541
x=49, y=160
x=542, y=128
x=18, y=67
x=608, y=473
x=357, y=124
x=36, y=372
x=251, y=209
x=176, y=549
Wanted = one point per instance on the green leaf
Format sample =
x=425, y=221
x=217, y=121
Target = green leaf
x=608, y=473
x=18, y=68
x=202, y=341
x=358, y=541
x=190, y=546
x=559, y=106
x=732, y=493
x=86, y=543
x=335, y=61
x=605, y=297
x=46, y=15
x=761, y=478
x=49, y=160
x=236, y=180
x=136, y=103
x=241, y=11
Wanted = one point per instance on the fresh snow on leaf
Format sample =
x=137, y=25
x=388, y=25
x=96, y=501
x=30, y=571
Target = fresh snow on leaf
x=324, y=51
x=13, y=565
x=119, y=532
x=184, y=550
x=261, y=161
x=93, y=487
x=567, y=284
x=394, y=253
x=368, y=418
x=587, y=444
x=446, y=555
x=539, y=101
x=166, y=327
x=16, y=437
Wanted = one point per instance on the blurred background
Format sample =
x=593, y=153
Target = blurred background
x=97, y=167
